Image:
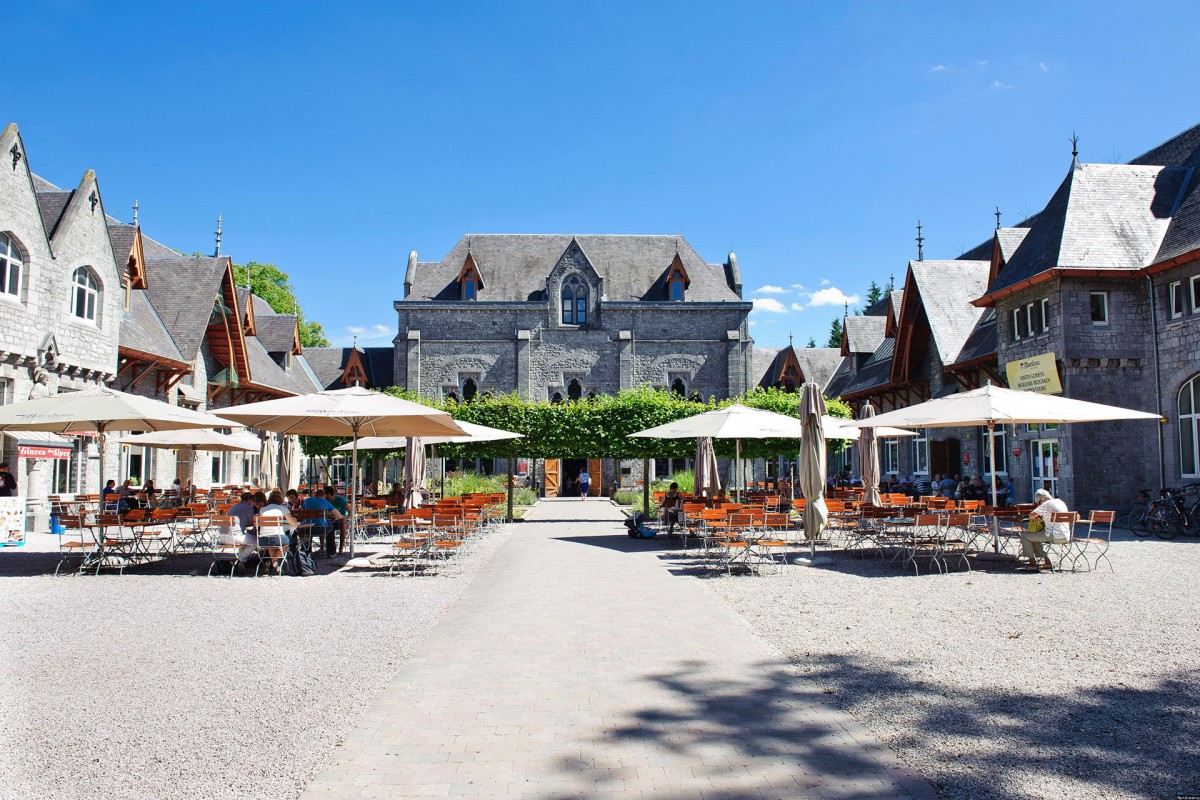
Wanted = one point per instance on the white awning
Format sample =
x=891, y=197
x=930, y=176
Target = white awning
x=39, y=438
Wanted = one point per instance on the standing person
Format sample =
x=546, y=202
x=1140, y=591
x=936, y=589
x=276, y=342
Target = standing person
x=8, y=482
x=1054, y=532
x=343, y=509
x=585, y=481
x=672, y=508
x=329, y=525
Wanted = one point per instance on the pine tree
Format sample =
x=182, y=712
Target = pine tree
x=874, y=294
x=835, y=334
x=811, y=342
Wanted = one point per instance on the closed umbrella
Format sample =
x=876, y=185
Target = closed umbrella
x=868, y=458
x=266, y=461
x=708, y=482
x=812, y=463
x=414, y=472
x=353, y=412
x=289, y=461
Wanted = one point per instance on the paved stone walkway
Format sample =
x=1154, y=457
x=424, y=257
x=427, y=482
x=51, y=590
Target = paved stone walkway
x=577, y=666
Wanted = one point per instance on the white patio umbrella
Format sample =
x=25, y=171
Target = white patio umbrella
x=194, y=440
x=707, y=482
x=102, y=410
x=841, y=428
x=812, y=464
x=475, y=433
x=868, y=458
x=346, y=412
x=735, y=422
x=991, y=405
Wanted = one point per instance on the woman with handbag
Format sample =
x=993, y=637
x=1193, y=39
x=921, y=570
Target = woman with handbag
x=1041, y=530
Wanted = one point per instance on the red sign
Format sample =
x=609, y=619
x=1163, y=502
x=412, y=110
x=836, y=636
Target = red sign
x=966, y=458
x=42, y=451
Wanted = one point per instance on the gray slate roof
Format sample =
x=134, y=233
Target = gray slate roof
x=143, y=330
x=121, y=236
x=863, y=334
x=897, y=299
x=982, y=342
x=184, y=292
x=515, y=267
x=947, y=289
x=328, y=363
x=874, y=374
x=51, y=205
x=818, y=363
x=275, y=331
x=264, y=371
x=1102, y=217
x=762, y=362
x=1010, y=239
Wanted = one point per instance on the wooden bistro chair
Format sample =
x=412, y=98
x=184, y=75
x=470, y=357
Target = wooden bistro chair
x=1093, y=546
x=270, y=555
x=410, y=542
x=224, y=552
x=74, y=542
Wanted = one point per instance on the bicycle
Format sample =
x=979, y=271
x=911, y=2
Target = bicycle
x=1166, y=516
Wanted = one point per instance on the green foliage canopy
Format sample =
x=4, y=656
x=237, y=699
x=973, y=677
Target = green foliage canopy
x=272, y=284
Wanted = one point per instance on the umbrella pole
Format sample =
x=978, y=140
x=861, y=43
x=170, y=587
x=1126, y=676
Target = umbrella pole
x=991, y=426
x=646, y=486
x=737, y=468
x=511, y=479
x=353, y=495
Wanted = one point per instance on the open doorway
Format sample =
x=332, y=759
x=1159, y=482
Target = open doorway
x=569, y=477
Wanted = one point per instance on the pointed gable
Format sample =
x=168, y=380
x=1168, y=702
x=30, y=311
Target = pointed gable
x=470, y=279
x=354, y=373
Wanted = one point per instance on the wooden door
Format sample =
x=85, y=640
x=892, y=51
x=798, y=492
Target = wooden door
x=551, y=469
x=938, y=459
x=594, y=476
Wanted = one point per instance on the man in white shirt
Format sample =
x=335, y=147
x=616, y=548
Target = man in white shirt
x=1055, y=532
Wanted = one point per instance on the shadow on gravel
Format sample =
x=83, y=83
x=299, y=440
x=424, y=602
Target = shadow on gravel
x=16, y=564
x=1139, y=742
x=720, y=726
x=619, y=542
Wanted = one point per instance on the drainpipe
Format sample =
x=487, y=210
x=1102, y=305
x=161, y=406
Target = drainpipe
x=1162, y=468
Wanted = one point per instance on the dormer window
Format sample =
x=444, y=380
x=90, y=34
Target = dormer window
x=469, y=279
x=676, y=281
x=574, y=301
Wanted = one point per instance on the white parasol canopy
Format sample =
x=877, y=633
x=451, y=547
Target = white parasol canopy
x=475, y=433
x=995, y=405
x=838, y=428
x=731, y=422
x=346, y=412
x=195, y=439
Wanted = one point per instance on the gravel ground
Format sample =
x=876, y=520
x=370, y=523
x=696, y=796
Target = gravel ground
x=1003, y=685
x=165, y=684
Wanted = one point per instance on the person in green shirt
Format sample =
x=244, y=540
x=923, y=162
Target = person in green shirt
x=343, y=508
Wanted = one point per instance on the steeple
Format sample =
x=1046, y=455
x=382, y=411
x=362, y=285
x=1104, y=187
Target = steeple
x=217, y=253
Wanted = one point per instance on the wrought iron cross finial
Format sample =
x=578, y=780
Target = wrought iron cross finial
x=94, y=199
x=217, y=253
x=997, y=217
x=135, y=213
x=920, y=243
x=1074, y=145
x=15, y=152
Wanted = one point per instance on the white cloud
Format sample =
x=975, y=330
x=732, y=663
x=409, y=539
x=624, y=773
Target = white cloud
x=799, y=287
x=832, y=296
x=982, y=63
x=1001, y=85
x=769, y=304
x=769, y=289
x=938, y=68
x=1042, y=65
x=825, y=281
x=797, y=307
x=367, y=335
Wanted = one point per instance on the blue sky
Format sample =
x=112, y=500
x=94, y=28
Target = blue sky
x=809, y=138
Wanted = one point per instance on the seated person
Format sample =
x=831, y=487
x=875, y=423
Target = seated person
x=273, y=506
x=672, y=508
x=947, y=486
x=151, y=494
x=975, y=490
x=893, y=484
x=1055, y=532
x=292, y=499
x=718, y=499
x=243, y=511
x=328, y=527
x=109, y=496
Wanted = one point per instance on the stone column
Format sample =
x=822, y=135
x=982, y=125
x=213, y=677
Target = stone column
x=625, y=358
x=735, y=367
x=412, y=372
x=524, y=355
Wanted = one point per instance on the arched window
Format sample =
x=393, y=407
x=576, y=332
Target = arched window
x=575, y=389
x=469, y=389
x=696, y=398
x=11, y=263
x=452, y=396
x=556, y=398
x=574, y=301
x=1189, y=429
x=678, y=389
x=85, y=294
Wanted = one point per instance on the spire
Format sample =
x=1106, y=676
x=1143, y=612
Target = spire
x=920, y=243
x=997, y=217
x=135, y=213
x=217, y=254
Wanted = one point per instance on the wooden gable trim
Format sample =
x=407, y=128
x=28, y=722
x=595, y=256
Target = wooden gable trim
x=135, y=266
x=845, y=339
x=297, y=350
x=910, y=307
x=354, y=371
x=677, y=270
x=470, y=268
x=997, y=259
x=890, y=328
x=228, y=342
x=248, y=318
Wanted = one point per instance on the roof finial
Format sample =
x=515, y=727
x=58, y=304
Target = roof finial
x=247, y=277
x=356, y=341
x=845, y=309
x=1075, y=147
x=891, y=282
x=217, y=254
x=997, y=217
x=789, y=339
x=920, y=243
x=135, y=213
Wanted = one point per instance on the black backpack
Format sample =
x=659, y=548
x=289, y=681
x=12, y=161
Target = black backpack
x=299, y=561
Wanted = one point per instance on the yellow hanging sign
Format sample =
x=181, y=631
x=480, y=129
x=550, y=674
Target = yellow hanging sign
x=1034, y=374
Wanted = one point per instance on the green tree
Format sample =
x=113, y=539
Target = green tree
x=811, y=342
x=835, y=334
x=272, y=284
x=874, y=294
